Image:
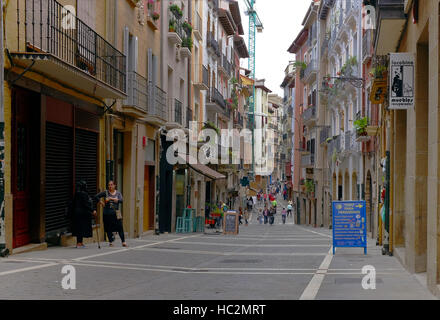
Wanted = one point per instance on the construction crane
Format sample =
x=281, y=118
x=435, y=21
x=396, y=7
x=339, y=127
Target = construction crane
x=255, y=25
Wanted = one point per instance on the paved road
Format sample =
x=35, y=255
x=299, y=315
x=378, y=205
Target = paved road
x=285, y=262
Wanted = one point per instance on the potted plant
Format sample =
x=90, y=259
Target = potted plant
x=174, y=8
x=155, y=16
x=187, y=43
x=172, y=26
x=187, y=27
x=300, y=64
x=361, y=125
x=210, y=125
x=379, y=72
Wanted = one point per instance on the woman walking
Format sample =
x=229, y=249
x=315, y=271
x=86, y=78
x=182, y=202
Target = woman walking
x=82, y=213
x=112, y=213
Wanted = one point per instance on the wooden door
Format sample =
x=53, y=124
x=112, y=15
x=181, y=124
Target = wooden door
x=21, y=168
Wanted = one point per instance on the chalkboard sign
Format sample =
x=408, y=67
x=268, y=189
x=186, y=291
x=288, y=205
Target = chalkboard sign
x=230, y=223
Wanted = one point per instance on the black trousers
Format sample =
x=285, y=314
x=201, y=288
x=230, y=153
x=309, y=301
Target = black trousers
x=111, y=224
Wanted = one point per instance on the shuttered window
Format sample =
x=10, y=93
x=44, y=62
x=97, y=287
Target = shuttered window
x=71, y=155
x=86, y=155
x=59, y=175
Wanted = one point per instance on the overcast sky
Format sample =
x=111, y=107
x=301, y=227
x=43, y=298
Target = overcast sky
x=282, y=21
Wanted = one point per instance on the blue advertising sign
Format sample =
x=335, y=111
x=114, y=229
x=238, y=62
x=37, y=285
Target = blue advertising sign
x=349, y=224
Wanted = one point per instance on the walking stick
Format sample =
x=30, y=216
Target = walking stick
x=97, y=233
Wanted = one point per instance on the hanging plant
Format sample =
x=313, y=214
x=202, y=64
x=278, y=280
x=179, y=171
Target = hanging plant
x=176, y=11
x=360, y=125
x=155, y=16
x=300, y=64
x=310, y=185
x=187, y=27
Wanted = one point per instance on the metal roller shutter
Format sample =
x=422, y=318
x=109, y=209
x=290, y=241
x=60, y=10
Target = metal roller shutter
x=59, y=175
x=86, y=157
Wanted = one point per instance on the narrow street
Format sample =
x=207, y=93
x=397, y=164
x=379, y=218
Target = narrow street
x=279, y=262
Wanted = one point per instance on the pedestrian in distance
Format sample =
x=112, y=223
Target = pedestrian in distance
x=272, y=213
x=240, y=217
x=266, y=215
x=112, y=215
x=289, y=209
x=81, y=212
x=283, y=215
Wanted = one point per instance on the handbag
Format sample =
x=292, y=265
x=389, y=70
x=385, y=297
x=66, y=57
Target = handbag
x=118, y=211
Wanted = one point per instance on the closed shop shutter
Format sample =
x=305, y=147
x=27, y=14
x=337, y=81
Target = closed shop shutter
x=86, y=157
x=59, y=175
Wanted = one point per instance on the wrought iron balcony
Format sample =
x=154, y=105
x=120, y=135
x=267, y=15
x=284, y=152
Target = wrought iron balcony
x=67, y=51
x=158, y=106
x=215, y=99
x=201, y=77
x=311, y=71
x=309, y=115
x=367, y=47
x=212, y=44
x=136, y=103
x=175, y=111
x=324, y=134
x=308, y=160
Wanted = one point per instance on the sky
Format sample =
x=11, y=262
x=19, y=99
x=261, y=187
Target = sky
x=282, y=21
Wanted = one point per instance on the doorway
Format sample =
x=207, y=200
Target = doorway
x=149, y=190
x=25, y=167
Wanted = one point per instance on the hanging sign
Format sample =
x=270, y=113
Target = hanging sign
x=402, y=81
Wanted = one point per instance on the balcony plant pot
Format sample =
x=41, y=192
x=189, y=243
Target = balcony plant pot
x=362, y=136
x=372, y=131
x=152, y=21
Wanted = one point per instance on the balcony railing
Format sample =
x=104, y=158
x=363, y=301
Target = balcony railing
x=215, y=96
x=177, y=24
x=213, y=44
x=324, y=134
x=42, y=29
x=137, y=91
x=367, y=45
x=309, y=114
x=308, y=160
x=159, y=106
x=312, y=67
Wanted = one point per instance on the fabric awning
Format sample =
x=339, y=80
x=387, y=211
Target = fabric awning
x=207, y=171
x=200, y=168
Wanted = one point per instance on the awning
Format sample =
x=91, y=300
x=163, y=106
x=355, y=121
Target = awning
x=200, y=168
x=207, y=171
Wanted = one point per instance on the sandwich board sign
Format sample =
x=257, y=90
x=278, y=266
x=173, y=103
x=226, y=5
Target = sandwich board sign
x=349, y=225
x=230, y=222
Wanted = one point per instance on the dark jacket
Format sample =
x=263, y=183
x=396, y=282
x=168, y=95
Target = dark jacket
x=82, y=215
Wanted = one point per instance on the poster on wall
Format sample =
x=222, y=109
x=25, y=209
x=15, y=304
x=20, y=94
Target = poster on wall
x=402, y=79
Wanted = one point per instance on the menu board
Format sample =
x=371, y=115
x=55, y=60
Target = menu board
x=230, y=222
x=349, y=224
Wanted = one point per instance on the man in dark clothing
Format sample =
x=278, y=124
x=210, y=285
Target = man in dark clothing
x=82, y=213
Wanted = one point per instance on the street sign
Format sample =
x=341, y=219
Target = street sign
x=349, y=225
